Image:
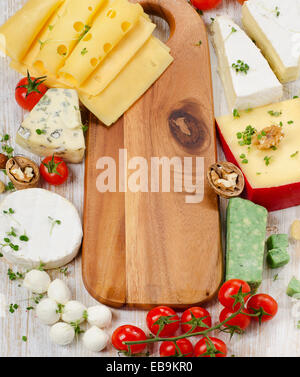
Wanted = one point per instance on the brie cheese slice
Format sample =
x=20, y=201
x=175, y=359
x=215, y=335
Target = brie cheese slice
x=275, y=27
x=38, y=226
x=247, y=77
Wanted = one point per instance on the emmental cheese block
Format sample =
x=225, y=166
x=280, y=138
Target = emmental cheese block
x=70, y=28
x=132, y=82
x=18, y=33
x=51, y=224
x=272, y=175
x=54, y=127
x=275, y=27
x=118, y=57
x=246, y=75
x=108, y=29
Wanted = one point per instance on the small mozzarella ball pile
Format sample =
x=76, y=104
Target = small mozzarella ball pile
x=65, y=315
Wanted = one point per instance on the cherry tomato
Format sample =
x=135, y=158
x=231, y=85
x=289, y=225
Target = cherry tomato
x=241, y=320
x=205, y=4
x=241, y=1
x=264, y=304
x=230, y=288
x=197, y=312
x=215, y=348
x=54, y=170
x=128, y=333
x=169, y=328
x=29, y=91
x=168, y=349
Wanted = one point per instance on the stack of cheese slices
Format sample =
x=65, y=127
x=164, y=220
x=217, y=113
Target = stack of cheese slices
x=102, y=48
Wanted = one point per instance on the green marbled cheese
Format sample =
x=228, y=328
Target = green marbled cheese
x=277, y=258
x=293, y=288
x=278, y=241
x=246, y=231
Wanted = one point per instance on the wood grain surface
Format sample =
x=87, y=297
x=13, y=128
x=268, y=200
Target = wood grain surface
x=280, y=337
x=172, y=253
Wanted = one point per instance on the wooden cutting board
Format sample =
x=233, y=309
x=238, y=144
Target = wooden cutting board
x=146, y=249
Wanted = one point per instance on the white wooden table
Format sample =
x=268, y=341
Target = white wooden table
x=280, y=337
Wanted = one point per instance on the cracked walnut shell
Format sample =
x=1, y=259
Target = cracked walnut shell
x=226, y=179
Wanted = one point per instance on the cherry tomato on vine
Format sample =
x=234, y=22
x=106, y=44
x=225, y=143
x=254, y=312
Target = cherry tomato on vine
x=262, y=303
x=54, y=170
x=241, y=320
x=197, y=312
x=161, y=313
x=128, y=333
x=213, y=347
x=231, y=288
x=168, y=349
x=205, y=4
x=29, y=91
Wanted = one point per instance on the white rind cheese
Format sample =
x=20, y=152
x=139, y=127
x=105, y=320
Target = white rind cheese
x=54, y=126
x=275, y=27
x=259, y=85
x=50, y=222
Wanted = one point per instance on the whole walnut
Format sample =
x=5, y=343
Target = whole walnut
x=3, y=161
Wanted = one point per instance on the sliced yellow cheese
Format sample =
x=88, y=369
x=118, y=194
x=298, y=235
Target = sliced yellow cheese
x=132, y=82
x=267, y=168
x=118, y=57
x=108, y=29
x=19, y=32
x=51, y=80
x=73, y=23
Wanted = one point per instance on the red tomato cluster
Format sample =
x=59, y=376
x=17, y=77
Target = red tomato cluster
x=164, y=322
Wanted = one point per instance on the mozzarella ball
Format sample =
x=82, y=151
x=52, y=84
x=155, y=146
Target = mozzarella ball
x=95, y=339
x=99, y=315
x=46, y=311
x=59, y=292
x=37, y=281
x=73, y=312
x=62, y=334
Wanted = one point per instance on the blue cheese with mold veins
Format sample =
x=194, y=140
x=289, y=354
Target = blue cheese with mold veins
x=54, y=126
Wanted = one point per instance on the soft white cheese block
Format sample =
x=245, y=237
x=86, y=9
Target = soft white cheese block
x=275, y=27
x=259, y=86
x=54, y=126
x=50, y=222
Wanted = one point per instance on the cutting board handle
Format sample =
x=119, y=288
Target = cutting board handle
x=169, y=10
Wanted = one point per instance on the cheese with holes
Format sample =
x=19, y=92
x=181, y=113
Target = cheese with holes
x=134, y=80
x=71, y=26
x=251, y=82
x=108, y=29
x=272, y=175
x=18, y=33
x=51, y=81
x=54, y=127
x=275, y=27
x=118, y=58
x=50, y=222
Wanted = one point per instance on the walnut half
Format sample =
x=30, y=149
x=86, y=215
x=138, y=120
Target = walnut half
x=226, y=179
x=268, y=138
x=23, y=172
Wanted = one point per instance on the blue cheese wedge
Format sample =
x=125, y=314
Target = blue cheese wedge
x=54, y=126
x=275, y=27
x=246, y=75
x=38, y=226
